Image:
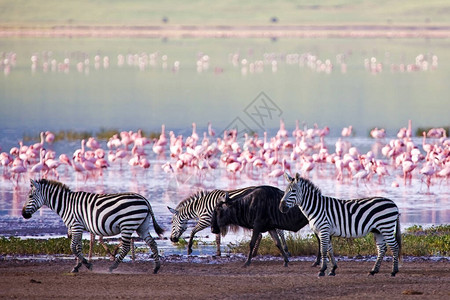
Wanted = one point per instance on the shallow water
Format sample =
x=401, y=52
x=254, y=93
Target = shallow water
x=222, y=81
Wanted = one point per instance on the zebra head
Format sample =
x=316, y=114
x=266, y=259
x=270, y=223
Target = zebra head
x=35, y=199
x=293, y=193
x=179, y=225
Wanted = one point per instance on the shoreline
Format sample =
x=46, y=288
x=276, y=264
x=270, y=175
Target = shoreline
x=194, y=31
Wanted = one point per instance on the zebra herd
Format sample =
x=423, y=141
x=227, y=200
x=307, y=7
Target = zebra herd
x=126, y=213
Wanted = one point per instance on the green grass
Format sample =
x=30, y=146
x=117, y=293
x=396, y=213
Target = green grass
x=18, y=246
x=198, y=12
x=416, y=241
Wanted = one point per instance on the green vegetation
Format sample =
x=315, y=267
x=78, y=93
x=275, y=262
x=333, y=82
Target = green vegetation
x=416, y=241
x=18, y=246
x=47, y=13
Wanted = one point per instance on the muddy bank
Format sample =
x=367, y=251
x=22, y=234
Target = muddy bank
x=222, y=279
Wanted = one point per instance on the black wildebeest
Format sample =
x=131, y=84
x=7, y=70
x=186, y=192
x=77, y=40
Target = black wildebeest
x=259, y=211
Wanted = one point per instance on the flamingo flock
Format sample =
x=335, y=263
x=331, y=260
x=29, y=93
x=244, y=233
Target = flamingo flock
x=83, y=62
x=303, y=150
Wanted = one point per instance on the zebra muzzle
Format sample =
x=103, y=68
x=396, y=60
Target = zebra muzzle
x=26, y=214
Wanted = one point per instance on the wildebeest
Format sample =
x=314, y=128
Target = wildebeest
x=259, y=211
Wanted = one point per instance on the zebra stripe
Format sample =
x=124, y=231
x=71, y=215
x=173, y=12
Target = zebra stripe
x=200, y=205
x=329, y=216
x=100, y=214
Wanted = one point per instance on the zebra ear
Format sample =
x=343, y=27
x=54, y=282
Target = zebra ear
x=174, y=211
x=297, y=177
x=288, y=178
x=33, y=183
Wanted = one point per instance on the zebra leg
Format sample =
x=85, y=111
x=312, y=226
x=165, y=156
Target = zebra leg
x=283, y=241
x=381, y=248
x=332, y=259
x=150, y=241
x=395, y=256
x=324, y=237
x=196, y=229
x=76, y=248
x=124, y=249
x=218, y=252
x=258, y=242
x=274, y=235
x=317, y=262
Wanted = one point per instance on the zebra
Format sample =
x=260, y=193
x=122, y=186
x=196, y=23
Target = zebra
x=100, y=214
x=201, y=205
x=329, y=216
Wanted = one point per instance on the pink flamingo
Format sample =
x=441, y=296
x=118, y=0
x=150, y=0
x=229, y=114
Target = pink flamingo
x=347, y=131
x=18, y=168
x=428, y=171
x=378, y=133
x=282, y=132
x=49, y=137
x=211, y=131
x=40, y=166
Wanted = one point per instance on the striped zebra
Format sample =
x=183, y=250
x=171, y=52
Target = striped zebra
x=329, y=216
x=100, y=214
x=201, y=206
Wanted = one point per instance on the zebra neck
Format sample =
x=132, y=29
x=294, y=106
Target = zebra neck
x=62, y=203
x=311, y=203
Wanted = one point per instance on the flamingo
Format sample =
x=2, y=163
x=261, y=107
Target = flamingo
x=49, y=137
x=40, y=166
x=347, y=131
x=211, y=131
x=18, y=168
x=428, y=171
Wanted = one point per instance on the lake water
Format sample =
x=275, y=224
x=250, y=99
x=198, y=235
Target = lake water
x=129, y=84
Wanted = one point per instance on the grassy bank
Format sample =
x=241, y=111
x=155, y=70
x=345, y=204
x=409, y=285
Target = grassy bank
x=434, y=241
x=416, y=241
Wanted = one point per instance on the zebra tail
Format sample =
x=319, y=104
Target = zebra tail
x=158, y=229
x=398, y=237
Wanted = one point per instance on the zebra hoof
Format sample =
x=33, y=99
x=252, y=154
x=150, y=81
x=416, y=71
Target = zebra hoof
x=321, y=274
x=331, y=274
x=74, y=270
x=371, y=273
x=393, y=274
x=286, y=264
x=89, y=266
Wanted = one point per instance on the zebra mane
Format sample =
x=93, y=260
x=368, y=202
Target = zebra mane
x=58, y=184
x=192, y=198
x=307, y=184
